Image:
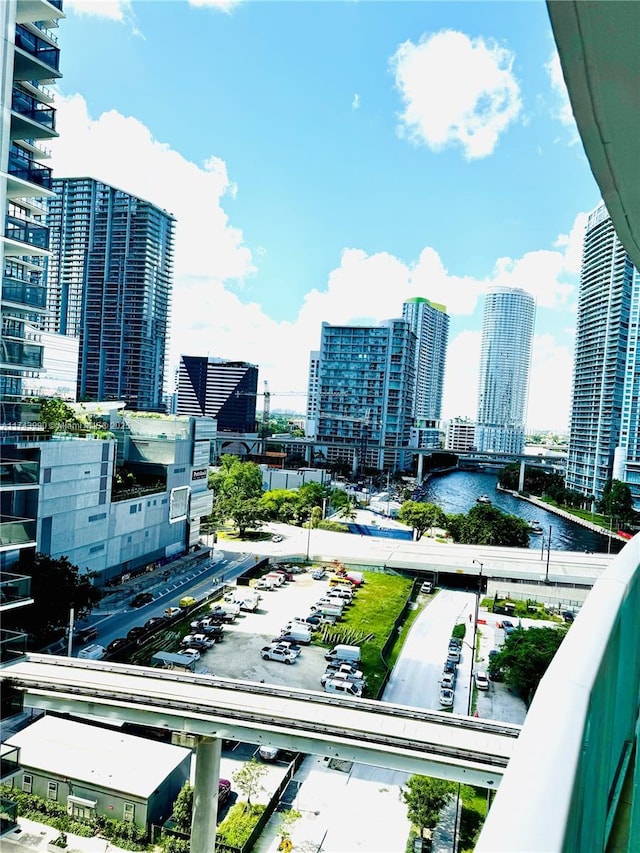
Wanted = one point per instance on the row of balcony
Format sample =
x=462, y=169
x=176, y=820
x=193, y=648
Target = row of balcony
x=28, y=107
x=26, y=232
x=17, y=354
x=37, y=47
x=18, y=473
x=28, y=170
x=12, y=645
x=20, y=293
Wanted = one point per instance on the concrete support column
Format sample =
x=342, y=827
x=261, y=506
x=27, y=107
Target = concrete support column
x=420, y=468
x=205, y=795
x=521, y=477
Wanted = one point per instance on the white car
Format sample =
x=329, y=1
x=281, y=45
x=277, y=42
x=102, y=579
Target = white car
x=446, y=697
x=280, y=653
x=482, y=682
x=193, y=653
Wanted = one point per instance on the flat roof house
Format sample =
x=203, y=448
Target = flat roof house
x=97, y=771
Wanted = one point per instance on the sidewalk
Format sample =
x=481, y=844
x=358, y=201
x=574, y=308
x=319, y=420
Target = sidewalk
x=32, y=837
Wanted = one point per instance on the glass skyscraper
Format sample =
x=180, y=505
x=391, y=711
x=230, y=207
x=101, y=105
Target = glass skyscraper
x=505, y=361
x=604, y=440
x=109, y=284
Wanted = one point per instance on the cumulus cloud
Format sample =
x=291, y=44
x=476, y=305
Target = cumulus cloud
x=561, y=109
x=550, y=385
x=456, y=90
x=209, y=315
x=114, y=10
x=222, y=5
x=355, y=103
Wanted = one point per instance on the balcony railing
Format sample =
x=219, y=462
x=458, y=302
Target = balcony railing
x=565, y=779
x=12, y=645
x=26, y=232
x=15, y=353
x=37, y=47
x=24, y=294
x=14, y=590
x=28, y=107
x=29, y=170
x=9, y=761
x=17, y=531
x=8, y=815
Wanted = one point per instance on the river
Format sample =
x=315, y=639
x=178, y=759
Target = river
x=457, y=492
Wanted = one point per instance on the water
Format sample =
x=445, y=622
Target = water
x=457, y=493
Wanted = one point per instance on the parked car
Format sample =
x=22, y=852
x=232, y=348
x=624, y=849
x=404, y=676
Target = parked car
x=568, y=615
x=318, y=574
x=426, y=588
x=446, y=697
x=141, y=599
x=276, y=538
x=85, y=635
x=137, y=632
x=482, y=682
x=279, y=653
x=508, y=626
x=197, y=641
x=287, y=574
x=287, y=642
x=448, y=680
x=268, y=753
x=192, y=653
x=170, y=612
x=155, y=621
x=450, y=666
x=343, y=666
x=116, y=644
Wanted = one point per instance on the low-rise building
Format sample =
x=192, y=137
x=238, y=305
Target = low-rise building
x=100, y=772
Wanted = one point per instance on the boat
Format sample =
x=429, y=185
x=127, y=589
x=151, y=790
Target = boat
x=535, y=527
x=483, y=499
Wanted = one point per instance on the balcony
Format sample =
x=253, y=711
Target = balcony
x=8, y=815
x=15, y=591
x=39, y=10
x=9, y=761
x=16, y=532
x=18, y=473
x=31, y=119
x=28, y=170
x=30, y=233
x=35, y=58
x=25, y=295
x=17, y=354
x=12, y=646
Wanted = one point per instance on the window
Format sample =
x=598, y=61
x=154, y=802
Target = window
x=52, y=790
x=98, y=517
x=129, y=813
x=133, y=509
x=27, y=783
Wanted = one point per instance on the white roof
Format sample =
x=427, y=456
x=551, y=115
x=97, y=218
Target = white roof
x=97, y=757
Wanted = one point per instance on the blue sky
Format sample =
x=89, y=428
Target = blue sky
x=326, y=160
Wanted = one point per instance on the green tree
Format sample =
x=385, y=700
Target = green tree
x=183, y=808
x=57, y=414
x=421, y=517
x=56, y=586
x=425, y=798
x=248, y=779
x=310, y=495
x=487, y=525
x=280, y=505
x=616, y=500
x=349, y=509
x=525, y=657
x=237, y=488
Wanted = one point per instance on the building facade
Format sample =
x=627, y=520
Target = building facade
x=505, y=361
x=430, y=324
x=461, y=435
x=109, y=284
x=218, y=388
x=365, y=394
x=29, y=62
x=604, y=436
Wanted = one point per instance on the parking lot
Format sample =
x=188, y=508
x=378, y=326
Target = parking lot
x=238, y=655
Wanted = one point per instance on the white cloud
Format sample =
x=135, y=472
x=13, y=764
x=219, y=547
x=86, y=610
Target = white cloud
x=223, y=5
x=572, y=244
x=114, y=10
x=355, y=103
x=208, y=317
x=550, y=385
x=562, y=107
x=456, y=90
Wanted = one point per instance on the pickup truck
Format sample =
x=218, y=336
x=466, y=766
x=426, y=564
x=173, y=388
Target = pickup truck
x=280, y=653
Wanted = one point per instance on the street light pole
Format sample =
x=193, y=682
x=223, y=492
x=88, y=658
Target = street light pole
x=308, y=535
x=546, y=574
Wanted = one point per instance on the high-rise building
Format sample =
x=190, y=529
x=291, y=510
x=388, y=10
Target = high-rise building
x=365, y=393
x=604, y=435
x=109, y=284
x=29, y=62
x=430, y=324
x=505, y=360
x=313, y=403
x=220, y=389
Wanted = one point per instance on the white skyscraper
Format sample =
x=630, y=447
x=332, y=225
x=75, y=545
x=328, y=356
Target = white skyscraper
x=505, y=360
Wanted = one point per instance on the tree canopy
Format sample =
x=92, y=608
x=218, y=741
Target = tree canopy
x=425, y=798
x=237, y=489
x=421, y=517
x=616, y=500
x=525, y=657
x=56, y=586
x=487, y=525
x=248, y=779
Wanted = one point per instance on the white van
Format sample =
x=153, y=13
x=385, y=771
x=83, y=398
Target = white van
x=94, y=652
x=342, y=687
x=343, y=652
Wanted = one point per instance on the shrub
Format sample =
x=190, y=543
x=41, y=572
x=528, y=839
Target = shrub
x=238, y=825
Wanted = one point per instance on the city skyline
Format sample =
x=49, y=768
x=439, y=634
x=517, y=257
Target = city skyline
x=308, y=191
